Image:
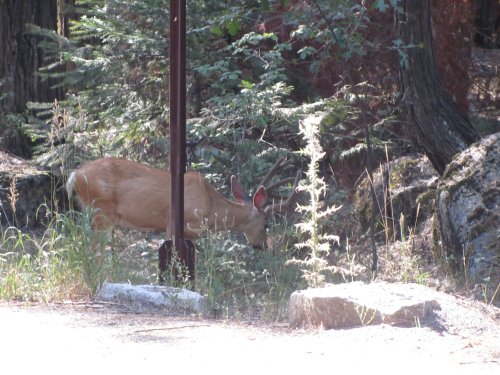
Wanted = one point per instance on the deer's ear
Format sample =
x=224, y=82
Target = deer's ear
x=239, y=192
x=260, y=198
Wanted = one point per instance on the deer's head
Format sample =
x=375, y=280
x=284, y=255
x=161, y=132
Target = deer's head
x=254, y=226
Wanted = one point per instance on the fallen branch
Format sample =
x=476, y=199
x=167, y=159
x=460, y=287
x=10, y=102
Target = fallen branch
x=170, y=328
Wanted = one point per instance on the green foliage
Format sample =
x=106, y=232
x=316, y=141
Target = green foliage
x=34, y=269
x=68, y=260
x=335, y=26
x=238, y=280
x=247, y=88
x=115, y=66
x=85, y=248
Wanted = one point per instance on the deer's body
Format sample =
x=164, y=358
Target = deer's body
x=137, y=196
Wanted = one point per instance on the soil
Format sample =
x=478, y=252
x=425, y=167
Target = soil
x=464, y=337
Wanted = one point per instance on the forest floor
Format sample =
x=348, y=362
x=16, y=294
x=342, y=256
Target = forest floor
x=463, y=337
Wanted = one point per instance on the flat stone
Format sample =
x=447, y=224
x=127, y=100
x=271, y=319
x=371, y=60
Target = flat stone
x=358, y=304
x=153, y=296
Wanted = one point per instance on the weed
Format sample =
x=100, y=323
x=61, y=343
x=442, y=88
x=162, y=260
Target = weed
x=12, y=197
x=315, y=266
x=84, y=248
x=493, y=296
x=365, y=314
x=177, y=274
x=63, y=262
x=240, y=281
x=410, y=269
x=33, y=269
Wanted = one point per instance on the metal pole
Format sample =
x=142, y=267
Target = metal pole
x=184, y=249
x=177, y=116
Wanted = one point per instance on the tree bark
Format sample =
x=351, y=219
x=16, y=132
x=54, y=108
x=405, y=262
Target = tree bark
x=443, y=131
x=487, y=23
x=20, y=58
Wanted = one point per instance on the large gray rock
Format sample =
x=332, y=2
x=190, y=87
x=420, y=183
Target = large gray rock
x=151, y=296
x=358, y=304
x=467, y=218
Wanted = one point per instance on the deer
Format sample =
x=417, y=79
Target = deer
x=137, y=196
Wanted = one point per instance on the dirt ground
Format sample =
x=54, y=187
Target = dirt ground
x=463, y=337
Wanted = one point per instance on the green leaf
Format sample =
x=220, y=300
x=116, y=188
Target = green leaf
x=216, y=30
x=381, y=5
x=233, y=27
x=247, y=84
x=306, y=52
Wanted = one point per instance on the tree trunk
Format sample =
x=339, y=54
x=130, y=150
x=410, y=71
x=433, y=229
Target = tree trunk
x=487, y=23
x=20, y=57
x=442, y=129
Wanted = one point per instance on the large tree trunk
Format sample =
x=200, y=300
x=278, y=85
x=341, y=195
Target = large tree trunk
x=20, y=58
x=442, y=129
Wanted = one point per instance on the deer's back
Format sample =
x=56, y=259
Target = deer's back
x=132, y=194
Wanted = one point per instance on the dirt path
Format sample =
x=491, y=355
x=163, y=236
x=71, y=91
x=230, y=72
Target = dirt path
x=59, y=339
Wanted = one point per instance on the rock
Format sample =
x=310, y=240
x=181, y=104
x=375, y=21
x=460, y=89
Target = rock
x=358, y=304
x=34, y=189
x=467, y=218
x=405, y=186
x=147, y=296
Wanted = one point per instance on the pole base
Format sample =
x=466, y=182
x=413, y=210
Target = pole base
x=185, y=255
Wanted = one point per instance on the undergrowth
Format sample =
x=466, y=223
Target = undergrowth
x=69, y=261
x=64, y=261
x=238, y=280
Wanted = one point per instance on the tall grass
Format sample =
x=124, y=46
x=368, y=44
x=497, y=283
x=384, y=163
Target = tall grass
x=239, y=281
x=64, y=261
x=69, y=261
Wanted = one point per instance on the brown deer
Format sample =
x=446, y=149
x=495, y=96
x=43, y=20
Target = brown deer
x=137, y=196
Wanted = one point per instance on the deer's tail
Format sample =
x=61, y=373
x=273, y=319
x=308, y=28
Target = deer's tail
x=70, y=185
